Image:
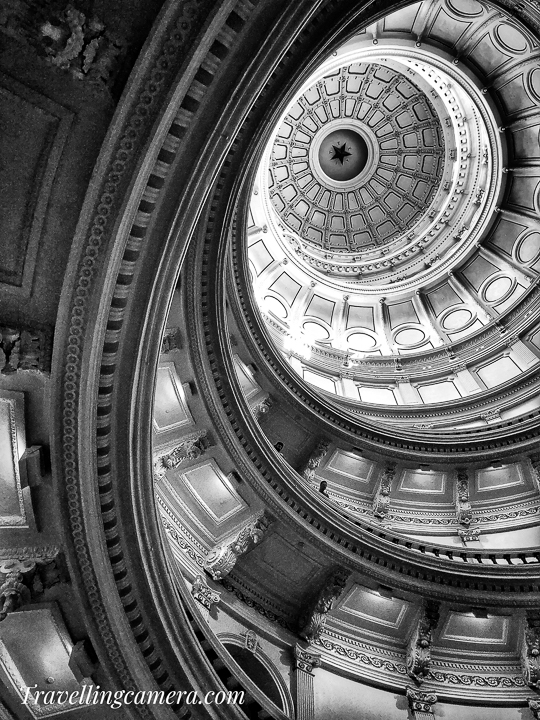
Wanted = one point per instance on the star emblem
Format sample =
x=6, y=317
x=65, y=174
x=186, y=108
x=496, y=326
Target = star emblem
x=340, y=153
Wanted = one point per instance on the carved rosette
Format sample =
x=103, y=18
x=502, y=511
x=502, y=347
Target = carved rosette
x=381, y=501
x=24, y=580
x=463, y=505
x=220, y=560
x=204, y=594
x=251, y=642
x=24, y=348
x=420, y=703
x=261, y=408
x=419, y=647
x=313, y=619
x=530, y=655
x=172, y=340
x=315, y=459
x=190, y=448
x=305, y=659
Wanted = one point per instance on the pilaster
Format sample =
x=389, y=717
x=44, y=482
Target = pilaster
x=305, y=661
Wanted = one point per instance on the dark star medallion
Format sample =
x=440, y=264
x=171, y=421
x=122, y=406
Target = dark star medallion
x=340, y=153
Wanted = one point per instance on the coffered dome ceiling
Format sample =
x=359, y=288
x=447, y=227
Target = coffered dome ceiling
x=357, y=160
x=394, y=241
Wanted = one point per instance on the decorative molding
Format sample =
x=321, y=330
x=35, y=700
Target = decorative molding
x=473, y=680
x=67, y=39
x=182, y=544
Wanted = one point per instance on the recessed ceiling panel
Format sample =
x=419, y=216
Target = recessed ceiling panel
x=499, y=371
x=212, y=491
x=259, y=255
x=286, y=287
x=321, y=307
x=170, y=407
x=351, y=466
x=466, y=628
x=491, y=479
x=368, y=606
x=423, y=481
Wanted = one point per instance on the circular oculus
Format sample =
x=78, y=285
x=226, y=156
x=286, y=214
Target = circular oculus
x=343, y=154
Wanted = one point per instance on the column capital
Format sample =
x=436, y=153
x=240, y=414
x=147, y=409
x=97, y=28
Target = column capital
x=204, y=594
x=420, y=702
x=305, y=659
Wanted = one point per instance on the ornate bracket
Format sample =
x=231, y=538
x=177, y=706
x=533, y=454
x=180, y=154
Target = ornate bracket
x=191, y=448
x=313, y=618
x=314, y=460
x=419, y=647
x=530, y=653
x=381, y=501
x=23, y=580
x=534, y=707
x=222, y=558
x=463, y=504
